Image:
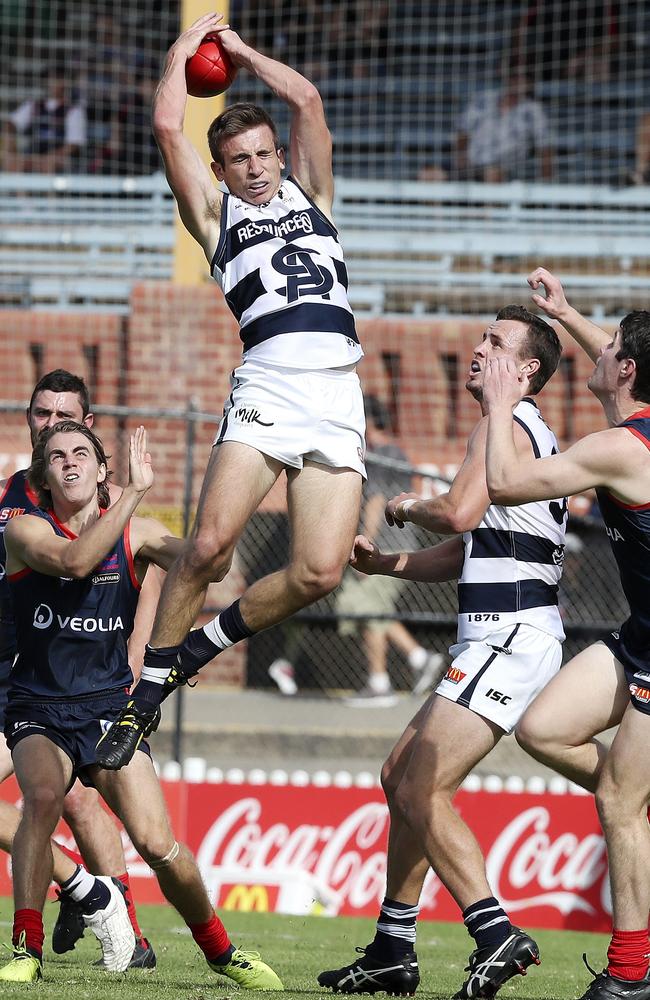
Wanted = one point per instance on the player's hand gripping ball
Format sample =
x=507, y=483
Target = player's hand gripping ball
x=210, y=71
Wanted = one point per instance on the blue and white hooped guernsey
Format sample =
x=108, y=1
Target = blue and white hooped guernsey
x=513, y=560
x=280, y=266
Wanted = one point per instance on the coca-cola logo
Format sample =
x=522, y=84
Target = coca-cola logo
x=526, y=867
x=347, y=862
x=344, y=865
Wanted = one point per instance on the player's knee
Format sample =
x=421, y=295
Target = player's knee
x=80, y=805
x=314, y=582
x=156, y=847
x=42, y=806
x=530, y=736
x=408, y=804
x=606, y=804
x=390, y=784
x=208, y=556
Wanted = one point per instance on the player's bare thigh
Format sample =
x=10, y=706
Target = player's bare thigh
x=624, y=783
x=237, y=479
x=587, y=696
x=451, y=740
x=323, y=505
x=6, y=763
x=397, y=761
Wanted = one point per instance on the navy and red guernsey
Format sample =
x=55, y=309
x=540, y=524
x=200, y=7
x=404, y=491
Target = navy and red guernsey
x=72, y=634
x=628, y=528
x=17, y=498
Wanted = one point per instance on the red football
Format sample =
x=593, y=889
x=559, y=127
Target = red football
x=210, y=71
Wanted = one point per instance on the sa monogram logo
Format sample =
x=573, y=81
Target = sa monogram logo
x=247, y=898
x=304, y=275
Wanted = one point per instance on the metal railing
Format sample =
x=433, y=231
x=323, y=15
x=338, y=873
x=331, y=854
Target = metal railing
x=80, y=242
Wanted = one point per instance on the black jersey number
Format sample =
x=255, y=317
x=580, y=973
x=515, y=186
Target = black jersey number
x=304, y=275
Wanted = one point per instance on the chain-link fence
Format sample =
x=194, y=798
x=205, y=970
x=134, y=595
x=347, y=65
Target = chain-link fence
x=324, y=643
x=402, y=82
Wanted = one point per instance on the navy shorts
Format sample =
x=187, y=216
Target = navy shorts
x=637, y=670
x=74, y=726
x=4, y=690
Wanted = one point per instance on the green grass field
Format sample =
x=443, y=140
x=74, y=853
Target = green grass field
x=298, y=948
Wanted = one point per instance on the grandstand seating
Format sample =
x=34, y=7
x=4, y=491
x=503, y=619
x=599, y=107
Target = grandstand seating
x=81, y=242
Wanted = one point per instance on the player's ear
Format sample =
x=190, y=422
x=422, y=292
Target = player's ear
x=530, y=368
x=217, y=170
x=101, y=473
x=281, y=156
x=628, y=367
x=89, y=419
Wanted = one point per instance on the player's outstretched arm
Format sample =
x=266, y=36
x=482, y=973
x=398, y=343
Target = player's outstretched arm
x=600, y=459
x=193, y=186
x=554, y=303
x=431, y=565
x=311, y=142
x=461, y=508
x=31, y=542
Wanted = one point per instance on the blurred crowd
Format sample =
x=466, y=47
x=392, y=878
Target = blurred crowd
x=488, y=83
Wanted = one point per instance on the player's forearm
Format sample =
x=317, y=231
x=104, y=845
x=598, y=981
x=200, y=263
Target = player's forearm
x=433, y=565
x=80, y=557
x=587, y=334
x=502, y=461
x=441, y=515
x=289, y=85
x=170, y=100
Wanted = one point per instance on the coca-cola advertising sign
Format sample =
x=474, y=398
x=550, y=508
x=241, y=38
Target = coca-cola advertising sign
x=322, y=850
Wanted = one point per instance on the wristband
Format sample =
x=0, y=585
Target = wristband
x=404, y=506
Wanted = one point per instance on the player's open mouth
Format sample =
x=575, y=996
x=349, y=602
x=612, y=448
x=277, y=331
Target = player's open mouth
x=474, y=368
x=71, y=478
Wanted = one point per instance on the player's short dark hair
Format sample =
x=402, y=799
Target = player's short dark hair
x=235, y=119
x=36, y=471
x=61, y=380
x=542, y=343
x=635, y=344
x=377, y=413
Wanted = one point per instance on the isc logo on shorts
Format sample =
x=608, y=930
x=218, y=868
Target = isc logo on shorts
x=105, y=725
x=454, y=675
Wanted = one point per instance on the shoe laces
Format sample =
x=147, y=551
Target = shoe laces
x=245, y=958
x=596, y=975
x=66, y=900
x=19, y=951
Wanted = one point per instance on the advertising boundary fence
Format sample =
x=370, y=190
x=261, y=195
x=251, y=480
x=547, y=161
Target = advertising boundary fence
x=303, y=848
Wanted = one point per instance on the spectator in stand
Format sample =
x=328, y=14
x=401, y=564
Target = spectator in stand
x=131, y=149
x=48, y=134
x=500, y=132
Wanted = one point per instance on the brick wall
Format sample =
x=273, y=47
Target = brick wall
x=181, y=343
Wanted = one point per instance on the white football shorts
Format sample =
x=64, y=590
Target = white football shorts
x=295, y=415
x=498, y=676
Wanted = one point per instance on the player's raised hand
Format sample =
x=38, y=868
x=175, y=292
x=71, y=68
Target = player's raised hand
x=393, y=509
x=553, y=302
x=503, y=384
x=364, y=557
x=140, y=469
x=188, y=41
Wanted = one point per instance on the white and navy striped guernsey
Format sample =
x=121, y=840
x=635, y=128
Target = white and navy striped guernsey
x=280, y=266
x=513, y=560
